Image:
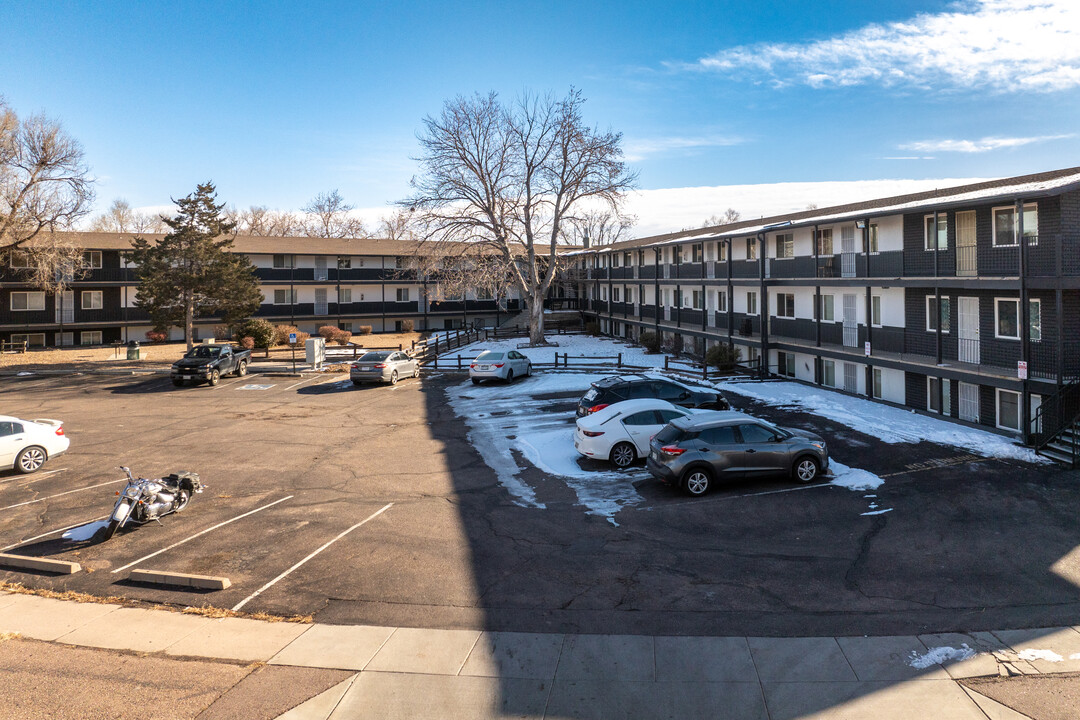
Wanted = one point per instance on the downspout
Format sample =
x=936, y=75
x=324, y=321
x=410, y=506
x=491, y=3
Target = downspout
x=656, y=292
x=763, y=307
x=1025, y=323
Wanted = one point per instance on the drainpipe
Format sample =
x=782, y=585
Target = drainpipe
x=763, y=306
x=730, y=295
x=940, y=312
x=1025, y=323
x=656, y=292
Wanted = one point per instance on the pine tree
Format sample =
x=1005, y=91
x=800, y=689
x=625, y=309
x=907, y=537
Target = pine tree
x=191, y=272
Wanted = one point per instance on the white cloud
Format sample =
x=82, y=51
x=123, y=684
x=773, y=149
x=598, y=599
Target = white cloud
x=978, y=146
x=1002, y=45
x=637, y=150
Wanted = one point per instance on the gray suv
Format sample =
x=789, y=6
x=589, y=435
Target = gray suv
x=695, y=451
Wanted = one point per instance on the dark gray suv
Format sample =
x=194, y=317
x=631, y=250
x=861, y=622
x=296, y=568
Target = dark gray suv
x=696, y=451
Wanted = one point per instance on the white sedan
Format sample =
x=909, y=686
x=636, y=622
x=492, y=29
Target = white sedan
x=25, y=445
x=495, y=365
x=621, y=431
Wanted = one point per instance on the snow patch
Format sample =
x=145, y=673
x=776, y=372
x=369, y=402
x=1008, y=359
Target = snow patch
x=940, y=656
x=853, y=478
x=85, y=532
x=24, y=373
x=877, y=512
x=1033, y=654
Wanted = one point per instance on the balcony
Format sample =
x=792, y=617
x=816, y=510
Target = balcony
x=689, y=271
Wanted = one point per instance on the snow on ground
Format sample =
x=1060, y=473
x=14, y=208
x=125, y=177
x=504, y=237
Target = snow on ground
x=573, y=345
x=889, y=424
x=940, y=656
x=506, y=418
x=85, y=532
x=853, y=478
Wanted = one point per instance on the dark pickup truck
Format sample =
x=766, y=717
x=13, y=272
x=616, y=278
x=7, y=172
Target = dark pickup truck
x=209, y=362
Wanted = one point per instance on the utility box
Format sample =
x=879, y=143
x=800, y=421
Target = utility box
x=134, y=352
x=315, y=351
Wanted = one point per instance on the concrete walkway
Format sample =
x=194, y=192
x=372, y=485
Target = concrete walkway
x=421, y=673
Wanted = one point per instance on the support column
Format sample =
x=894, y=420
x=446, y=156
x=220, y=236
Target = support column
x=1024, y=322
x=763, y=306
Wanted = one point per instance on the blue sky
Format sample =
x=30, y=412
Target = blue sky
x=278, y=101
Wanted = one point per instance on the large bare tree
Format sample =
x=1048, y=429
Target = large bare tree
x=261, y=221
x=328, y=216
x=120, y=217
x=601, y=227
x=498, y=185
x=45, y=187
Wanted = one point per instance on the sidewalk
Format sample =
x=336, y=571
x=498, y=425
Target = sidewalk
x=419, y=673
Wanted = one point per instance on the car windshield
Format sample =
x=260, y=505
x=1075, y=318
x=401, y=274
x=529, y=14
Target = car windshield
x=671, y=434
x=591, y=395
x=203, y=352
x=489, y=356
x=373, y=356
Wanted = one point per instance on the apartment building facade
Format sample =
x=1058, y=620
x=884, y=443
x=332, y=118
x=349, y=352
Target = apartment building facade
x=306, y=282
x=914, y=300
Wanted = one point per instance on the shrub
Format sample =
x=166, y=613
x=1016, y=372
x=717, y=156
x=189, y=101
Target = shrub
x=406, y=326
x=282, y=332
x=650, y=341
x=722, y=357
x=222, y=333
x=247, y=342
x=343, y=337
x=592, y=328
x=329, y=332
x=262, y=332
x=364, y=330
x=157, y=336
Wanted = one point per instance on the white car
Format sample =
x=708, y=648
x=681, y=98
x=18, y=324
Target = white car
x=621, y=431
x=496, y=365
x=25, y=445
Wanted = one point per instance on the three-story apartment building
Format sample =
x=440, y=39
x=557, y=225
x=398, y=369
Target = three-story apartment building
x=963, y=302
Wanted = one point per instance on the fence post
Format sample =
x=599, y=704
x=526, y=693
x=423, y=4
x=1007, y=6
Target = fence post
x=619, y=363
x=399, y=347
x=666, y=358
x=704, y=370
x=459, y=362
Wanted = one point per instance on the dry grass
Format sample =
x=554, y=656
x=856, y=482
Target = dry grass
x=63, y=595
x=9, y=636
x=217, y=613
x=79, y=358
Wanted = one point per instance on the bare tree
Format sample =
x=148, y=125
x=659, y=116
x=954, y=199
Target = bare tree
x=260, y=221
x=120, y=217
x=499, y=183
x=398, y=225
x=45, y=187
x=328, y=217
x=730, y=216
x=600, y=227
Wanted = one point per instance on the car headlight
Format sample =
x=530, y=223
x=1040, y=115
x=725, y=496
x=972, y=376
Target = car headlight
x=819, y=444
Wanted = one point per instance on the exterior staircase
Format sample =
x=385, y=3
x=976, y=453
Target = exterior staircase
x=1058, y=421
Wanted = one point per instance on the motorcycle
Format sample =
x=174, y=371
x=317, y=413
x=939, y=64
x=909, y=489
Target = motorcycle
x=143, y=499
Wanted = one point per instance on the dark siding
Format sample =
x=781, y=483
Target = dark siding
x=987, y=408
x=915, y=390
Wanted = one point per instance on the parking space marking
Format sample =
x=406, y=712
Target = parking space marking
x=255, y=387
x=700, y=501
x=198, y=534
x=53, y=532
x=290, y=387
x=224, y=385
x=31, y=502
x=270, y=584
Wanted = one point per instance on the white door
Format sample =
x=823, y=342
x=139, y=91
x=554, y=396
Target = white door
x=321, y=307
x=968, y=330
x=851, y=378
x=10, y=442
x=847, y=252
x=967, y=258
x=851, y=328
x=65, y=307
x=320, y=267
x=969, y=402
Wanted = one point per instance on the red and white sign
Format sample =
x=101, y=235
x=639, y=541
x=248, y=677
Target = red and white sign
x=1021, y=369
x=866, y=348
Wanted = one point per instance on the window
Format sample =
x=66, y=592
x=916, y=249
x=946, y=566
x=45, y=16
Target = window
x=399, y=262
x=695, y=253
x=785, y=245
x=27, y=301
x=751, y=303
x=785, y=363
x=785, y=305
x=344, y=295
x=91, y=300
x=360, y=262
x=721, y=301
x=942, y=232
x=938, y=396
x=667, y=416
x=284, y=297
x=828, y=373
x=1035, y=320
x=90, y=337
x=824, y=242
x=724, y=435
x=756, y=434
x=697, y=300
x=344, y=263
x=647, y=417
x=91, y=259
x=875, y=310
x=403, y=294
x=31, y=340
x=827, y=313
x=284, y=262
x=1007, y=319
x=722, y=251
x=751, y=249
x=878, y=383
x=20, y=259
x=615, y=294
x=1008, y=410
x=932, y=314
x=7, y=427
x=627, y=259
x=873, y=238
x=483, y=294
x=614, y=261
x=1004, y=231
x=346, y=326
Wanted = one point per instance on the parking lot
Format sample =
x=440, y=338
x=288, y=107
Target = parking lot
x=389, y=505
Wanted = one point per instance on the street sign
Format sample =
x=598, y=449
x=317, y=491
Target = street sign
x=866, y=348
x=292, y=338
x=1021, y=369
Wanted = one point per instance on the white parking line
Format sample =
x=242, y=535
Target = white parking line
x=221, y=385
x=53, y=532
x=268, y=585
x=290, y=387
x=215, y=527
x=31, y=502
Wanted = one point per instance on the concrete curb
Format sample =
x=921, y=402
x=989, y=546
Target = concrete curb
x=174, y=579
x=60, y=567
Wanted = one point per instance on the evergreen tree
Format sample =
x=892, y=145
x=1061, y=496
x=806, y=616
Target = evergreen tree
x=191, y=272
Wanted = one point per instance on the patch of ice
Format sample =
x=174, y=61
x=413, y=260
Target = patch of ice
x=889, y=424
x=853, y=478
x=940, y=656
x=1033, y=654
x=24, y=373
x=84, y=532
x=877, y=512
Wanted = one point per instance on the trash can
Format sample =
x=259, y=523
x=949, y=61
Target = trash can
x=133, y=350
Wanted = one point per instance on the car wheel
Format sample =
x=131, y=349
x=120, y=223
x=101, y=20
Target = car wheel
x=697, y=481
x=806, y=469
x=623, y=455
x=528, y=370
x=178, y=382
x=215, y=377
x=241, y=369
x=30, y=459
x=509, y=376
x=393, y=378
x=185, y=498
x=416, y=372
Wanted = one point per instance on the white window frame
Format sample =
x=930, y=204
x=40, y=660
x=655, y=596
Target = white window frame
x=721, y=251
x=91, y=295
x=785, y=315
x=21, y=337
x=831, y=306
x=878, y=382
x=288, y=300
x=20, y=255
x=752, y=308
x=875, y=311
x=90, y=335
x=26, y=301
x=721, y=301
x=94, y=259
x=288, y=261
x=344, y=263
x=696, y=301
x=997, y=410
x=1031, y=326
x=828, y=366
x=997, y=318
x=401, y=295
x=1027, y=234
x=946, y=395
x=344, y=296
x=929, y=314
x=785, y=242
x=943, y=221
x=822, y=234
x=751, y=249
x=872, y=241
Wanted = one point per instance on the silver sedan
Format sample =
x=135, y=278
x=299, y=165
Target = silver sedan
x=383, y=366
